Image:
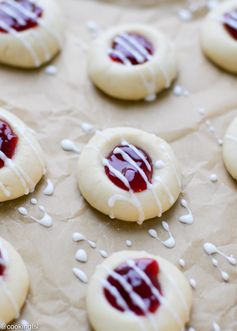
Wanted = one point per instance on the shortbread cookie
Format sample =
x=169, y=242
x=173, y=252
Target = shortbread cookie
x=229, y=149
x=30, y=32
x=21, y=158
x=137, y=291
x=219, y=36
x=132, y=62
x=14, y=283
x=129, y=174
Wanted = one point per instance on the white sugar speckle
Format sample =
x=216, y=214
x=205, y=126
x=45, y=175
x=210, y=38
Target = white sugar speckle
x=213, y=178
x=51, y=70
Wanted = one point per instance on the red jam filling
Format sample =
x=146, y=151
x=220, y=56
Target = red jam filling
x=135, y=166
x=131, y=49
x=2, y=266
x=230, y=23
x=8, y=141
x=144, y=283
x=19, y=15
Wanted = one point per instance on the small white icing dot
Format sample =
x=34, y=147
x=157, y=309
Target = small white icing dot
x=69, y=146
x=92, y=244
x=81, y=255
x=23, y=211
x=80, y=275
x=33, y=201
x=220, y=142
x=185, y=15
x=76, y=236
x=128, y=243
x=213, y=178
x=103, y=253
x=182, y=263
x=215, y=326
x=49, y=189
x=152, y=233
x=87, y=127
x=193, y=283
x=201, y=111
x=51, y=70
x=178, y=90
x=225, y=276
x=150, y=98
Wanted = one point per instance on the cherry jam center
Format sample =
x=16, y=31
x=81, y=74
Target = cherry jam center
x=18, y=15
x=135, y=275
x=133, y=164
x=131, y=49
x=8, y=141
x=230, y=23
x=2, y=265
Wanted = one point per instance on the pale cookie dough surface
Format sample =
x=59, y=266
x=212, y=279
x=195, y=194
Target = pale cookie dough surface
x=218, y=45
x=14, y=284
x=172, y=315
x=33, y=47
x=111, y=200
x=135, y=81
x=229, y=149
x=20, y=174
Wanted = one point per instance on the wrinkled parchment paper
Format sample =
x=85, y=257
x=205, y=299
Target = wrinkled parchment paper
x=55, y=106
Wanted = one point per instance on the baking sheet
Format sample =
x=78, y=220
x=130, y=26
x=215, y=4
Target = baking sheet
x=55, y=106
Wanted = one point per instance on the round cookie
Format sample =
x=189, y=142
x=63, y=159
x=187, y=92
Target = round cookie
x=30, y=32
x=21, y=158
x=129, y=174
x=134, y=290
x=229, y=149
x=132, y=62
x=219, y=36
x=14, y=283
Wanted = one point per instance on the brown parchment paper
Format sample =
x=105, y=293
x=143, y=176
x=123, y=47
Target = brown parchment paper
x=55, y=106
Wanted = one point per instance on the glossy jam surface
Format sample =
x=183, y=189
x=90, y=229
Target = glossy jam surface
x=2, y=265
x=230, y=23
x=8, y=141
x=127, y=165
x=131, y=49
x=18, y=15
x=136, y=278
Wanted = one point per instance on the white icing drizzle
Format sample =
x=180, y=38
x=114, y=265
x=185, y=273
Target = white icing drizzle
x=5, y=191
x=170, y=242
x=77, y=237
x=23, y=211
x=165, y=187
x=193, y=283
x=224, y=275
x=69, y=146
x=87, y=127
x=46, y=220
x=81, y=275
x=182, y=263
x=140, y=154
x=103, y=253
x=215, y=326
x=231, y=20
x=51, y=70
x=188, y=218
x=81, y=255
x=128, y=243
x=92, y=244
x=172, y=163
x=213, y=178
x=49, y=190
x=212, y=130
x=211, y=249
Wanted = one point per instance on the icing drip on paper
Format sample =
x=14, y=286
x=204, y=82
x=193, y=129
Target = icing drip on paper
x=23, y=211
x=87, y=127
x=224, y=275
x=213, y=178
x=128, y=243
x=81, y=275
x=93, y=29
x=49, y=189
x=193, y=283
x=103, y=253
x=69, y=146
x=170, y=242
x=51, y=70
x=212, y=130
x=77, y=237
x=46, y=220
x=215, y=326
x=81, y=256
x=188, y=218
x=182, y=263
x=180, y=91
x=33, y=201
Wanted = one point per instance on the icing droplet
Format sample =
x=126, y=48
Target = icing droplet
x=93, y=28
x=150, y=97
x=193, y=283
x=170, y=242
x=210, y=248
x=201, y=111
x=33, y=201
x=185, y=15
x=81, y=255
x=49, y=188
x=153, y=233
x=80, y=275
x=179, y=91
x=91, y=243
x=87, y=127
x=188, y=218
x=225, y=276
x=103, y=253
x=213, y=178
x=23, y=211
x=215, y=326
x=51, y=70
x=182, y=263
x=128, y=243
x=69, y=146
x=76, y=236
x=46, y=220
